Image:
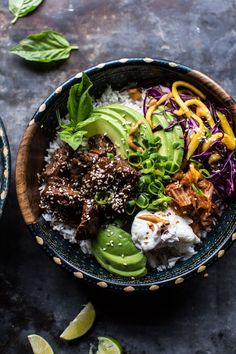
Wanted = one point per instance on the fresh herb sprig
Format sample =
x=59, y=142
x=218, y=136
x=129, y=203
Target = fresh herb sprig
x=44, y=47
x=22, y=8
x=79, y=107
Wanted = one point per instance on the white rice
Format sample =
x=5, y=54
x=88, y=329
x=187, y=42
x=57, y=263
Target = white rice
x=110, y=96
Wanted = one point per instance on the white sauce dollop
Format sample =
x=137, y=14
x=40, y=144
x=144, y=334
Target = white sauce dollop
x=148, y=235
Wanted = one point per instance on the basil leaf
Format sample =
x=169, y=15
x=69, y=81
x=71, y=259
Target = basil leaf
x=20, y=8
x=79, y=106
x=79, y=103
x=44, y=47
x=73, y=140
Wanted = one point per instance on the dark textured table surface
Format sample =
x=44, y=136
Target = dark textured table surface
x=36, y=296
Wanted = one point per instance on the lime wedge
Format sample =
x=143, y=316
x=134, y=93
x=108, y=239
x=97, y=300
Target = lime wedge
x=39, y=345
x=109, y=345
x=81, y=324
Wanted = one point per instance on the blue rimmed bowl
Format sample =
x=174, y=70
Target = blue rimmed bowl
x=30, y=161
x=4, y=167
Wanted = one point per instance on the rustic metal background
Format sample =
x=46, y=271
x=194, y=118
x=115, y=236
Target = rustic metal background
x=36, y=296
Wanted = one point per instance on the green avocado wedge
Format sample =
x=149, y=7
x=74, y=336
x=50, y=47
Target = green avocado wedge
x=100, y=124
x=172, y=141
x=115, y=251
x=116, y=121
x=133, y=116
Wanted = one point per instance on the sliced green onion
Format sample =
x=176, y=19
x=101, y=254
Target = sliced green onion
x=168, y=166
x=135, y=160
x=145, y=181
x=103, y=197
x=196, y=163
x=147, y=166
x=176, y=145
x=110, y=156
x=175, y=168
x=204, y=172
x=160, y=172
x=154, y=156
x=142, y=201
x=155, y=187
x=166, y=178
x=130, y=207
x=208, y=134
x=197, y=190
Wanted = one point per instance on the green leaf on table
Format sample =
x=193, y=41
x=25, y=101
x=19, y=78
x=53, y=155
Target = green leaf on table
x=74, y=140
x=44, y=47
x=79, y=103
x=21, y=8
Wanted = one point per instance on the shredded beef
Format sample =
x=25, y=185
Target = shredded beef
x=74, y=179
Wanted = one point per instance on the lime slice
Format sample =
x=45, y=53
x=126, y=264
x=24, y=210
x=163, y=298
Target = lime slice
x=109, y=345
x=39, y=345
x=81, y=324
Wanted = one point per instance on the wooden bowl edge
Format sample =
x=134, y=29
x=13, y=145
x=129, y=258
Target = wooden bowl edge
x=29, y=215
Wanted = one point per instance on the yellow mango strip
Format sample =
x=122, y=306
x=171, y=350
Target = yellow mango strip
x=209, y=141
x=195, y=137
x=149, y=115
x=153, y=105
x=179, y=100
x=229, y=142
x=152, y=102
x=164, y=98
x=133, y=130
x=195, y=141
x=226, y=140
x=214, y=158
x=202, y=110
x=225, y=124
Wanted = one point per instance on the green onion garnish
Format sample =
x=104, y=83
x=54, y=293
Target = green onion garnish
x=197, y=190
x=110, y=156
x=142, y=201
x=103, y=197
x=135, y=160
x=204, y=172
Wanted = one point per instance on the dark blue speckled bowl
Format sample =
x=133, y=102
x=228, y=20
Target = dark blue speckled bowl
x=4, y=166
x=41, y=130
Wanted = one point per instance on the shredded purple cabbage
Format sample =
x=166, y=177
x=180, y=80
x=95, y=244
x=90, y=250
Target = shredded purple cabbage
x=154, y=92
x=204, y=154
x=223, y=172
x=224, y=178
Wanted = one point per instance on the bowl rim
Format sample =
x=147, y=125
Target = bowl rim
x=29, y=217
x=5, y=156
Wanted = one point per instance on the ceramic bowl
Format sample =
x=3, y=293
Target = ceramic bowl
x=4, y=166
x=41, y=130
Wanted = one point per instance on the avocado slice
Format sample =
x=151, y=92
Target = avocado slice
x=138, y=273
x=173, y=154
x=113, y=114
x=134, y=117
x=134, y=261
x=115, y=251
x=100, y=124
x=115, y=121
